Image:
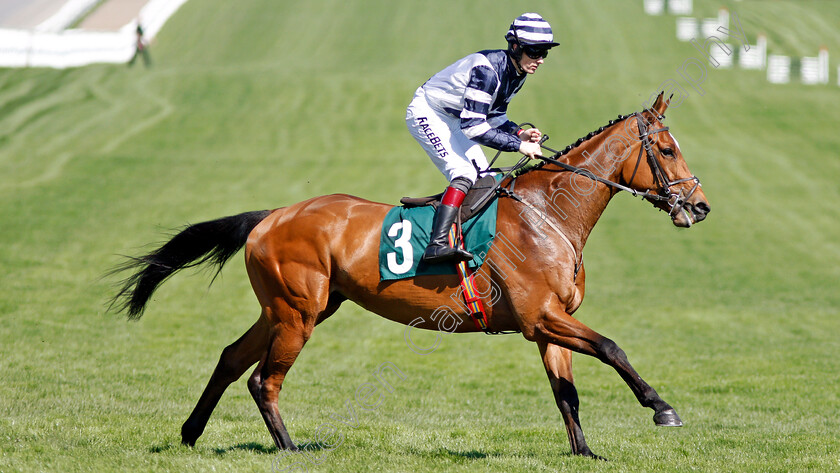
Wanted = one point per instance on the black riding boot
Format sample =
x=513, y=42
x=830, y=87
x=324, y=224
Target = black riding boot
x=439, y=250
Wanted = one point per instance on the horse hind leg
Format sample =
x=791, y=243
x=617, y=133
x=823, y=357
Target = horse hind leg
x=558, y=367
x=236, y=358
x=267, y=380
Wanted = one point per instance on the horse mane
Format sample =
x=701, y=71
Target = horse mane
x=574, y=145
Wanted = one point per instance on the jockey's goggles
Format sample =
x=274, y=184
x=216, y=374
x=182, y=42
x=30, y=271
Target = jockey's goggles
x=535, y=52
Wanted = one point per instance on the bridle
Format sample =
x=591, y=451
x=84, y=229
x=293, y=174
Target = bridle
x=676, y=201
x=663, y=193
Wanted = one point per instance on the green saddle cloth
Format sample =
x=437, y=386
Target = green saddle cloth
x=406, y=233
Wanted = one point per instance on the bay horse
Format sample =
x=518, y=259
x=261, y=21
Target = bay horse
x=304, y=260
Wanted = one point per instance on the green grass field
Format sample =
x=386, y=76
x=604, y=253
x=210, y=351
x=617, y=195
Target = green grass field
x=259, y=104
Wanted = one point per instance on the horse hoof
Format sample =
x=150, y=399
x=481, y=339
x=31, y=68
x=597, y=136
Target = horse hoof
x=190, y=434
x=588, y=453
x=667, y=418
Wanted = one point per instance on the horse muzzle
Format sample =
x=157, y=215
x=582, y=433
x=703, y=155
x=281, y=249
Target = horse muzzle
x=685, y=212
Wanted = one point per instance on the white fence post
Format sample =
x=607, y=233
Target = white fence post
x=824, y=70
x=778, y=69
x=654, y=7
x=723, y=58
x=814, y=70
x=680, y=7
x=756, y=56
x=686, y=28
x=710, y=26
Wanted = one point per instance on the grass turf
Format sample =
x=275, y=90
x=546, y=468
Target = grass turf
x=262, y=104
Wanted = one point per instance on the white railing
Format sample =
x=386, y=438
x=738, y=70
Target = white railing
x=686, y=28
x=680, y=7
x=709, y=33
x=778, y=69
x=654, y=7
x=814, y=70
x=50, y=45
x=756, y=56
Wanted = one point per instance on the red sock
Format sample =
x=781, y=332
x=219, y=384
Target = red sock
x=453, y=197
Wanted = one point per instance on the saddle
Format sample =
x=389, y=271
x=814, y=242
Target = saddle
x=478, y=190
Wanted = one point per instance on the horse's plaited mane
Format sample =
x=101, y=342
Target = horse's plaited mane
x=574, y=145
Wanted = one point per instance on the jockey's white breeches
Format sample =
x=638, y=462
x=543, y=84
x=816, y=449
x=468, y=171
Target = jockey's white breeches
x=441, y=137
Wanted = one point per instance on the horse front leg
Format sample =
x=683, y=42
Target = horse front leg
x=560, y=328
x=558, y=367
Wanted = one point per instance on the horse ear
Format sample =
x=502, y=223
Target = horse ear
x=661, y=103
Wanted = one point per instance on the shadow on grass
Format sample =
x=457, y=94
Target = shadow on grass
x=471, y=455
x=250, y=447
x=454, y=455
x=272, y=449
x=164, y=448
x=262, y=449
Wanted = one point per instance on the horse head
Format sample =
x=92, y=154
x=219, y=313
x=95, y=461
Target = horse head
x=663, y=178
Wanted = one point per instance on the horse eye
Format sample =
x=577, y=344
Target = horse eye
x=668, y=152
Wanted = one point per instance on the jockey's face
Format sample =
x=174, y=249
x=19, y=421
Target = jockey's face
x=528, y=64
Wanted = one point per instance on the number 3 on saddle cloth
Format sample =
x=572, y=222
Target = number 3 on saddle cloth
x=406, y=232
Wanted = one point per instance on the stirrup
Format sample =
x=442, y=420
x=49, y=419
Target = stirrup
x=440, y=254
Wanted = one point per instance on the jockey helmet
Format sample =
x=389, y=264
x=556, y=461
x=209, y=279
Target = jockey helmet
x=529, y=29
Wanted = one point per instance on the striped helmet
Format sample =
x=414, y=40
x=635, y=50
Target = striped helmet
x=531, y=29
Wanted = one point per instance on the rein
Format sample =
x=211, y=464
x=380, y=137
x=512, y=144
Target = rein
x=663, y=193
x=675, y=201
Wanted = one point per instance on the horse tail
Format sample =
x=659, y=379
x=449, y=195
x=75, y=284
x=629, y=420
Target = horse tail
x=215, y=242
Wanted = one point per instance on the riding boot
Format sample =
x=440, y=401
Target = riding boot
x=439, y=249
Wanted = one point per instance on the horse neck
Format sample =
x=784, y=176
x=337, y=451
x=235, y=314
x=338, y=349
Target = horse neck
x=572, y=202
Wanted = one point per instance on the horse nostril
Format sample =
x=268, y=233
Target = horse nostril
x=702, y=207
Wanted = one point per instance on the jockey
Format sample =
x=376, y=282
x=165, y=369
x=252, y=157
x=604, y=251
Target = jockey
x=464, y=106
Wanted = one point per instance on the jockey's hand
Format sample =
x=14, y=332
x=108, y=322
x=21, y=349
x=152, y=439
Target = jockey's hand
x=530, y=149
x=531, y=134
